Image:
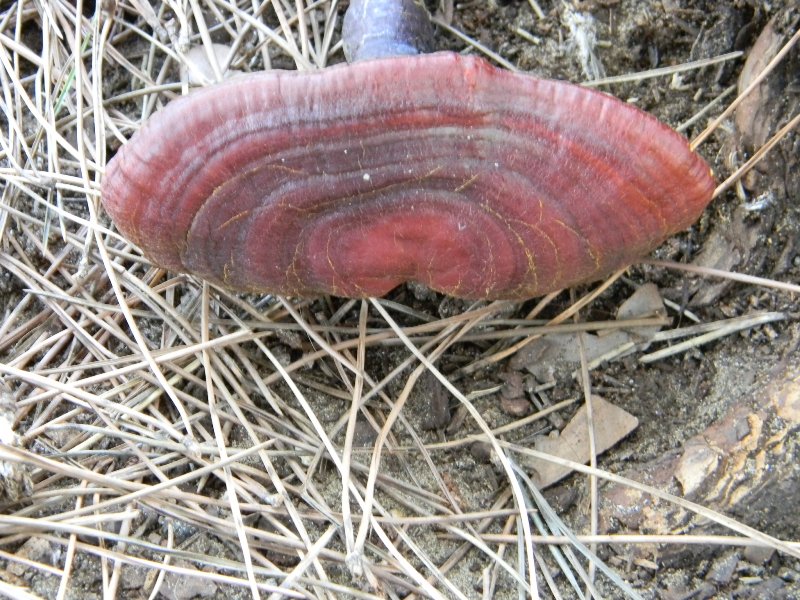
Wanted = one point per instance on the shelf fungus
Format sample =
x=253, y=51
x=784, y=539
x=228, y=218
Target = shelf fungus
x=436, y=168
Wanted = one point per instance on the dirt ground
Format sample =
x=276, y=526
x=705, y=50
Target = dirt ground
x=717, y=423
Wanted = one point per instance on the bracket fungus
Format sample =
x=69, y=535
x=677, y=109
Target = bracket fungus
x=437, y=168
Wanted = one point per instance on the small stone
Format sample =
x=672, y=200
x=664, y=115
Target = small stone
x=437, y=415
x=513, y=385
x=481, y=451
x=364, y=434
x=790, y=575
x=34, y=549
x=697, y=463
x=181, y=587
x=722, y=569
x=758, y=555
x=772, y=588
x=516, y=407
x=703, y=592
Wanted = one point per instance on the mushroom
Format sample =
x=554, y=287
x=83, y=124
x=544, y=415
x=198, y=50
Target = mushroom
x=436, y=168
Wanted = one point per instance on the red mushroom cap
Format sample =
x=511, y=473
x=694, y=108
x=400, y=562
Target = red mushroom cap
x=439, y=168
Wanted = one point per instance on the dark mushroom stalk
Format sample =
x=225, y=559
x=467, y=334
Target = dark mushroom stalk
x=437, y=168
x=384, y=28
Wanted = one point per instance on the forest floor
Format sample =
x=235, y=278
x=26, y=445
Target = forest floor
x=124, y=388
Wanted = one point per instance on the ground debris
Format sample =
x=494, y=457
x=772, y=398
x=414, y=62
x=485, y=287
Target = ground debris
x=611, y=424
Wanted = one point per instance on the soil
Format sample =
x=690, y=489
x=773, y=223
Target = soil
x=752, y=228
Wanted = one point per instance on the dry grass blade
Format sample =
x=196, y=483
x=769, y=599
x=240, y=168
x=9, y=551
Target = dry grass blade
x=740, y=277
x=776, y=60
x=721, y=330
x=664, y=71
x=160, y=436
x=758, y=156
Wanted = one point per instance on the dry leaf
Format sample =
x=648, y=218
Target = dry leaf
x=611, y=424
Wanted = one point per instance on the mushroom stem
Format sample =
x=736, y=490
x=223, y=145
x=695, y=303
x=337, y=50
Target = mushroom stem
x=381, y=28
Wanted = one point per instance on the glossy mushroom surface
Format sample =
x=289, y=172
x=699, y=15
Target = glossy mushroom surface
x=441, y=169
